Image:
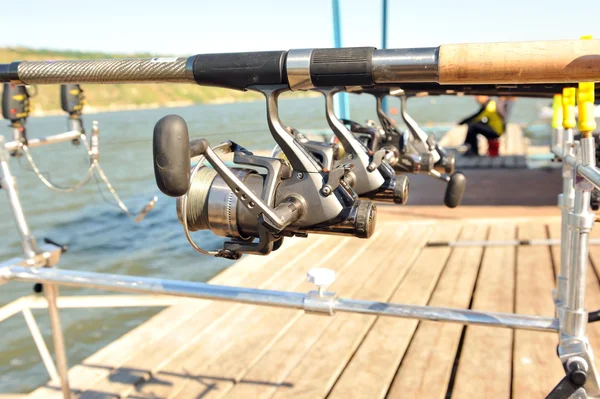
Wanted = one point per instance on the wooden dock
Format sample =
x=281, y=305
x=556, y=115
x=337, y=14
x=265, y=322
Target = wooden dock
x=205, y=349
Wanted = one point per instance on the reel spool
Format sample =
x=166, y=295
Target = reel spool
x=244, y=205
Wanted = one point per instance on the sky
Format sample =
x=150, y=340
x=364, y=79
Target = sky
x=186, y=27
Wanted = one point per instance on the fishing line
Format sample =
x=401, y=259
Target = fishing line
x=53, y=186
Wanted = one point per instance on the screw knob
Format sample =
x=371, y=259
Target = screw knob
x=321, y=277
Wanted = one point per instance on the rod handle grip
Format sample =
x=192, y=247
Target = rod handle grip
x=560, y=61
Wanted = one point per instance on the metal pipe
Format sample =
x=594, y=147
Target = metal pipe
x=284, y=299
x=565, y=203
x=34, y=329
x=591, y=173
x=30, y=251
x=9, y=184
x=51, y=294
x=461, y=316
x=41, y=141
x=502, y=243
x=580, y=221
x=579, y=245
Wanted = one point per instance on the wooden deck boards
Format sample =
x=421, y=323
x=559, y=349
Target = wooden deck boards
x=205, y=349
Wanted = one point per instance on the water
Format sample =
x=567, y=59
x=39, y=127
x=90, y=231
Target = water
x=102, y=239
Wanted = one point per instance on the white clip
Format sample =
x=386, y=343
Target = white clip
x=321, y=277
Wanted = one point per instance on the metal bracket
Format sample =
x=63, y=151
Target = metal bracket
x=334, y=179
x=320, y=302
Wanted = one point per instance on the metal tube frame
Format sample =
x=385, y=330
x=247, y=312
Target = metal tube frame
x=578, y=170
x=580, y=176
x=33, y=258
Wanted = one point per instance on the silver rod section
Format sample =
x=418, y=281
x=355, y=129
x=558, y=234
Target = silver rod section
x=9, y=184
x=41, y=141
x=133, y=70
x=406, y=65
x=271, y=298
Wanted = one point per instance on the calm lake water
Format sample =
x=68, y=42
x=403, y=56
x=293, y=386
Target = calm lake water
x=102, y=239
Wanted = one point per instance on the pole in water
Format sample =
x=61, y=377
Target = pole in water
x=340, y=101
x=384, y=17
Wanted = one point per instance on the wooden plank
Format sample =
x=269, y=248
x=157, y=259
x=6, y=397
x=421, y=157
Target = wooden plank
x=210, y=344
x=246, y=272
x=374, y=364
x=554, y=231
x=284, y=366
x=536, y=367
x=244, y=353
x=314, y=376
x=485, y=366
x=427, y=365
x=214, y=317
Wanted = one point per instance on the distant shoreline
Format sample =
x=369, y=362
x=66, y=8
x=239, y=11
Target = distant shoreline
x=90, y=110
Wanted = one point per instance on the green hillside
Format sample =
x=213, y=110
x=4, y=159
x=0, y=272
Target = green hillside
x=120, y=96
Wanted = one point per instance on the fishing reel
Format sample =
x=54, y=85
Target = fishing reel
x=412, y=151
x=295, y=197
x=372, y=176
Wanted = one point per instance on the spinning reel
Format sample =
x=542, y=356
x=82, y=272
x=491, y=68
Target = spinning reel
x=372, y=176
x=295, y=197
x=16, y=108
x=412, y=151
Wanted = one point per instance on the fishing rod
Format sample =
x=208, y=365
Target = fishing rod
x=16, y=107
x=572, y=61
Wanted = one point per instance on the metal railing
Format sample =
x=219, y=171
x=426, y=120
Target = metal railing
x=25, y=305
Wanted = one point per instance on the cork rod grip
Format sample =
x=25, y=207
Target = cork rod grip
x=561, y=61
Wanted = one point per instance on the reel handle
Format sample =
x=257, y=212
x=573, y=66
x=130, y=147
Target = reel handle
x=455, y=190
x=171, y=155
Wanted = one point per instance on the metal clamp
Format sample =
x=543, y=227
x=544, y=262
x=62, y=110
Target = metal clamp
x=581, y=222
x=320, y=301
